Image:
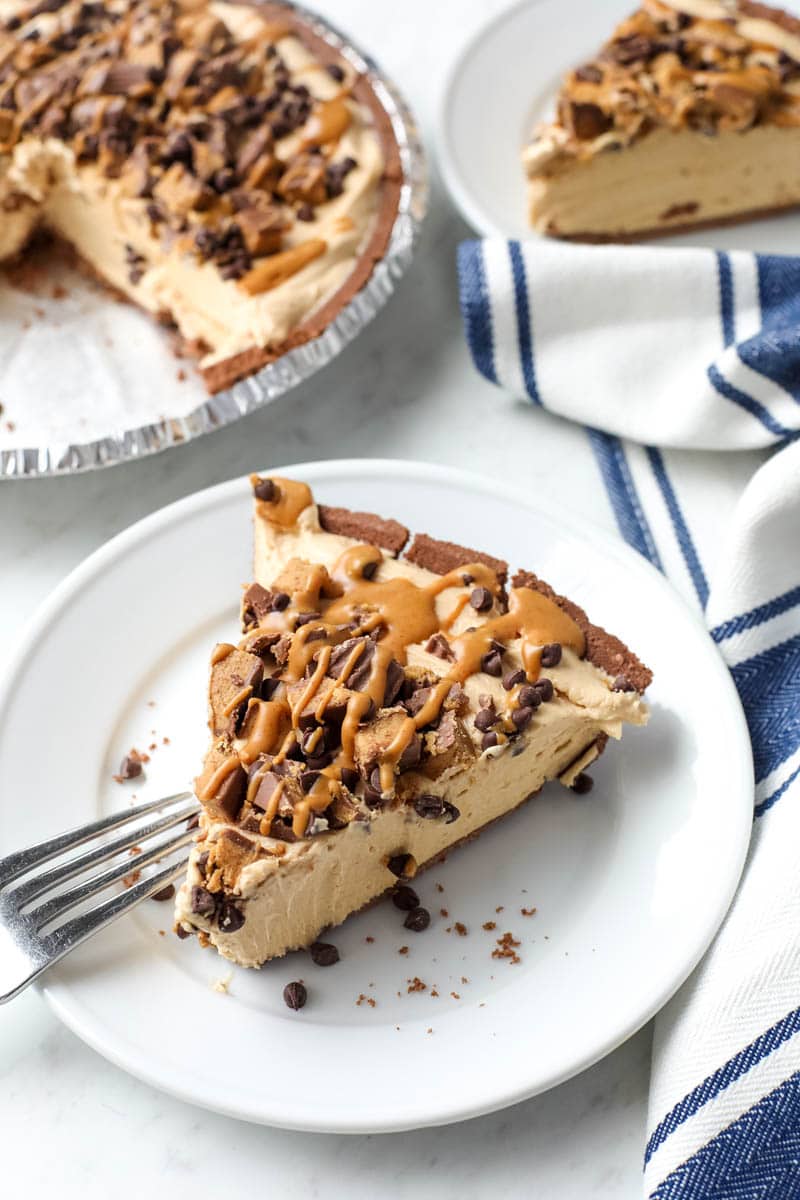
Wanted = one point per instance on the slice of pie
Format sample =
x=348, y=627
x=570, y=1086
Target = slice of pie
x=688, y=116
x=390, y=698
x=219, y=164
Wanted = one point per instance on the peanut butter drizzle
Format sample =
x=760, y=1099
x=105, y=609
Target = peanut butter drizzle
x=273, y=271
x=327, y=122
x=210, y=786
x=238, y=699
x=405, y=614
x=220, y=652
x=266, y=722
x=293, y=497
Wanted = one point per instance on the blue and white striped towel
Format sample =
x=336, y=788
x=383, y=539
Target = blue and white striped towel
x=653, y=349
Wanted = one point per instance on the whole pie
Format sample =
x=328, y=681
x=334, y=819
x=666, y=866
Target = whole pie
x=689, y=115
x=390, y=697
x=217, y=163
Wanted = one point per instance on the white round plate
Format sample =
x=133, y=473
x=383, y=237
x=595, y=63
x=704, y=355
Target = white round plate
x=629, y=884
x=504, y=81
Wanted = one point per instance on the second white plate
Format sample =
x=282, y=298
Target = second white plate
x=629, y=884
x=504, y=81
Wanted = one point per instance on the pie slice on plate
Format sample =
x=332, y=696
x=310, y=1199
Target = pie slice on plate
x=390, y=697
x=688, y=116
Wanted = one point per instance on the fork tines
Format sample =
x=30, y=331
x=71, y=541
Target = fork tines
x=35, y=926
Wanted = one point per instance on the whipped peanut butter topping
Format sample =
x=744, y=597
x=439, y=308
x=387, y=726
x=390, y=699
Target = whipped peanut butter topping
x=324, y=704
x=704, y=65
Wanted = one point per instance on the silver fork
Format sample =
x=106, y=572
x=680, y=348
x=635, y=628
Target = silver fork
x=27, y=947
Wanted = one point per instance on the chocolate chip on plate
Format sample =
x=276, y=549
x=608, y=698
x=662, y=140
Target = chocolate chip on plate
x=418, y=919
x=130, y=767
x=323, y=954
x=165, y=893
x=582, y=784
x=405, y=898
x=294, y=995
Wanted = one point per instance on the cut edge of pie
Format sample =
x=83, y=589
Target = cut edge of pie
x=392, y=696
x=688, y=117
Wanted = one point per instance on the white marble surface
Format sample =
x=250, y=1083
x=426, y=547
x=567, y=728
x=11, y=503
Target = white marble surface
x=75, y=1123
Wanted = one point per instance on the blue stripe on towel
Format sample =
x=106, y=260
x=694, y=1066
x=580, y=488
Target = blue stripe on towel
x=632, y=522
x=756, y=616
x=767, y=804
x=746, y=402
x=755, y=1158
x=775, y=351
x=684, y=537
x=723, y=1077
x=524, y=333
x=476, y=309
x=769, y=688
x=726, y=297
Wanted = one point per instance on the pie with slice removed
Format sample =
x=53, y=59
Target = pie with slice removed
x=688, y=116
x=219, y=164
x=389, y=698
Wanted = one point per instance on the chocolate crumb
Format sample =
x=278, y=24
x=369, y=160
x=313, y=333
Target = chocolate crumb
x=527, y=912
x=461, y=929
x=405, y=898
x=416, y=985
x=488, y=925
x=130, y=767
x=403, y=950
x=265, y=489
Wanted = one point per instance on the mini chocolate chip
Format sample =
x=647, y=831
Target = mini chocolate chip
x=485, y=719
x=372, y=798
x=488, y=740
x=451, y=812
x=265, y=489
x=323, y=954
x=582, y=784
x=622, y=684
x=405, y=898
x=439, y=645
x=428, y=806
x=349, y=778
x=305, y=213
x=308, y=779
x=480, y=599
x=545, y=689
x=513, y=677
x=492, y=664
x=397, y=864
x=202, y=861
x=551, y=655
x=417, y=920
x=130, y=768
x=522, y=717
x=280, y=601
x=230, y=918
x=203, y=903
x=529, y=697
x=269, y=687
x=182, y=933
x=294, y=995
x=165, y=893
x=335, y=71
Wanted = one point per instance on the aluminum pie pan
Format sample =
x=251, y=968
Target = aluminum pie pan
x=296, y=365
